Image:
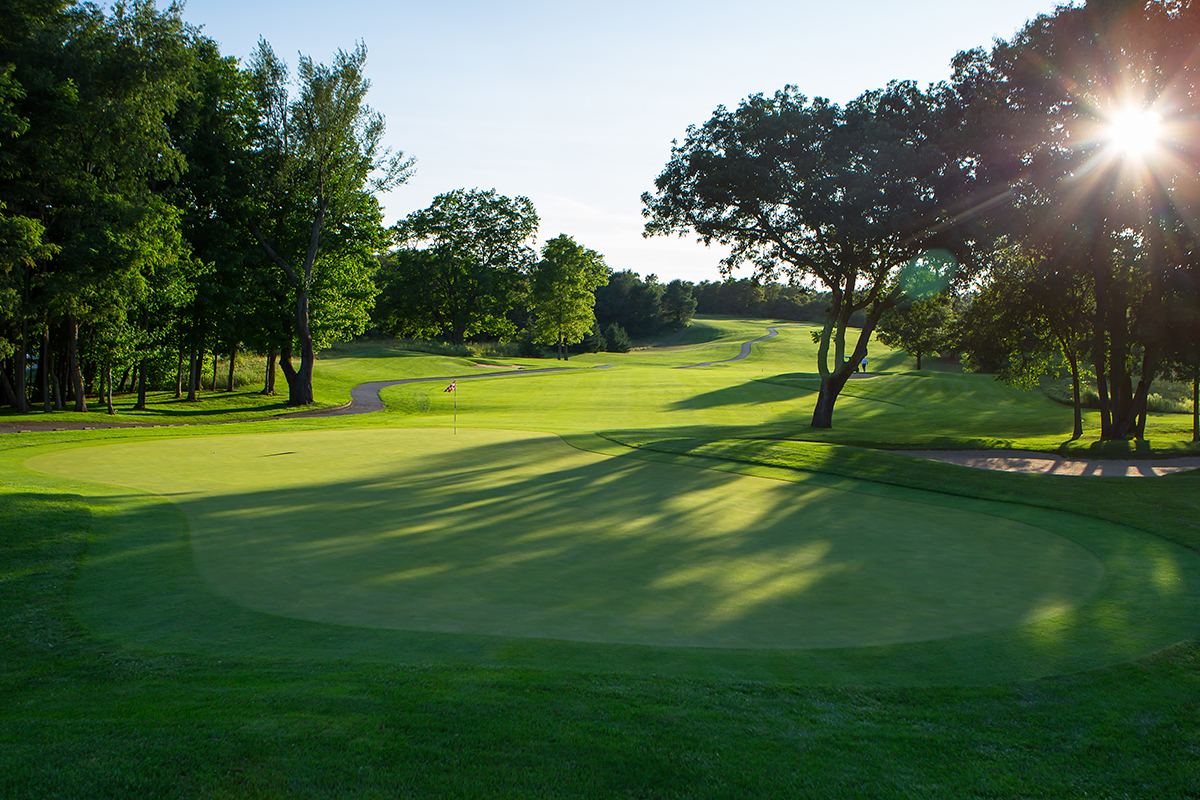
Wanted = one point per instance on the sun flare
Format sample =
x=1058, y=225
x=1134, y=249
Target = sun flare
x=1134, y=131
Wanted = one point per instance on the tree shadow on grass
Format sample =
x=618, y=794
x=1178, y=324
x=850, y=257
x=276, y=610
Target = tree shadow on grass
x=751, y=393
x=184, y=409
x=614, y=563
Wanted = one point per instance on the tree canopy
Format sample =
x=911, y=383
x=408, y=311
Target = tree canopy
x=562, y=293
x=461, y=267
x=847, y=197
x=319, y=163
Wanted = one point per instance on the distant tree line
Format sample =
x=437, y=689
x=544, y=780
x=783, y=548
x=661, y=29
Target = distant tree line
x=467, y=269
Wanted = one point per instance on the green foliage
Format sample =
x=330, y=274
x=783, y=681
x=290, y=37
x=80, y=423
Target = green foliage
x=616, y=339
x=595, y=341
x=845, y=197
x=632, y=303
x=918, y=327
x=754, y=298
x=469, y=270
x=678, y=304
x=1041, y=114
x=562, y=292
x=319, y=162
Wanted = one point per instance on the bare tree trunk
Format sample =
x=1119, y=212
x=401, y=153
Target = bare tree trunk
x=7, y=387
x=285, y=363
x=108, y=389
x=1196, y=405
x=1078, y=404
x=141, y=375
x=73, y=367
x=179, y=374
x=831, y=387
x=232, y=366
x=125, y=378
x=269, y=377
x=300, y=390
x=46, y=366
x=20, y=367
x=193, y=374
x=214, y=380
x=832, y=382
x=55, y=383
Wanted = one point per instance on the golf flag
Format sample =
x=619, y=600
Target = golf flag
x=450, y=388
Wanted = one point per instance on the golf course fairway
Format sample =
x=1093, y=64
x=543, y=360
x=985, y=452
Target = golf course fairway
x=518, y=536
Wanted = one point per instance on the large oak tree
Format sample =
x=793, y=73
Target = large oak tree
x=849, y=198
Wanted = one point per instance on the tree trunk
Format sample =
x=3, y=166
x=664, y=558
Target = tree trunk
x=833, y=381
x=73, y=367
x=20, y=367
x=7, y=387
x=53, y=400
x=45, y=367
x=1196, y=405
x=121, y=387
x=141, y=376
x=214, y=380
x=269, y=377
x=918, y=362
x=179, y=375
x=831, y=387
x=232, y=365
x=285, y=363
x=1078, y=403
x=300, y=391
x=193, y=374
x=108, y=389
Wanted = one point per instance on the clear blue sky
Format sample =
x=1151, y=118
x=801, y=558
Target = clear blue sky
x=575, y=104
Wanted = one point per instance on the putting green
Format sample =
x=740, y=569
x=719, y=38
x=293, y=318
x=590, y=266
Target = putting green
x=517, y=534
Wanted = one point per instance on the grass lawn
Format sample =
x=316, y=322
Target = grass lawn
x=633, y=581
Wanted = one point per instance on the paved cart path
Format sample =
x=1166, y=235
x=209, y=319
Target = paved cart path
x=1051, y=464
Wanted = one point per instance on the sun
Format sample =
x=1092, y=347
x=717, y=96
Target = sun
x=1134, y=131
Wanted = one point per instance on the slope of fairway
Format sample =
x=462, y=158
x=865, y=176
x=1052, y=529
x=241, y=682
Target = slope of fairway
x=771, y=393
x=517, y=535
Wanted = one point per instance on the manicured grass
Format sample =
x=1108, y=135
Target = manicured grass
x=519, y=536
x=125, y=674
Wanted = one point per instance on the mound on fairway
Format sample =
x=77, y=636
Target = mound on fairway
x=518, y=534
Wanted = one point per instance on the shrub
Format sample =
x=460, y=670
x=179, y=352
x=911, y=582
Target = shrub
x=617, y=339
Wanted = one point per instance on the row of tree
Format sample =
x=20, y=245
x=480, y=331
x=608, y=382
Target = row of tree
x=1061, y=165
x=467, y=268
x=159, y=202
x=158, y=199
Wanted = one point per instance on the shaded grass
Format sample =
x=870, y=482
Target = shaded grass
x=1168, y=506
